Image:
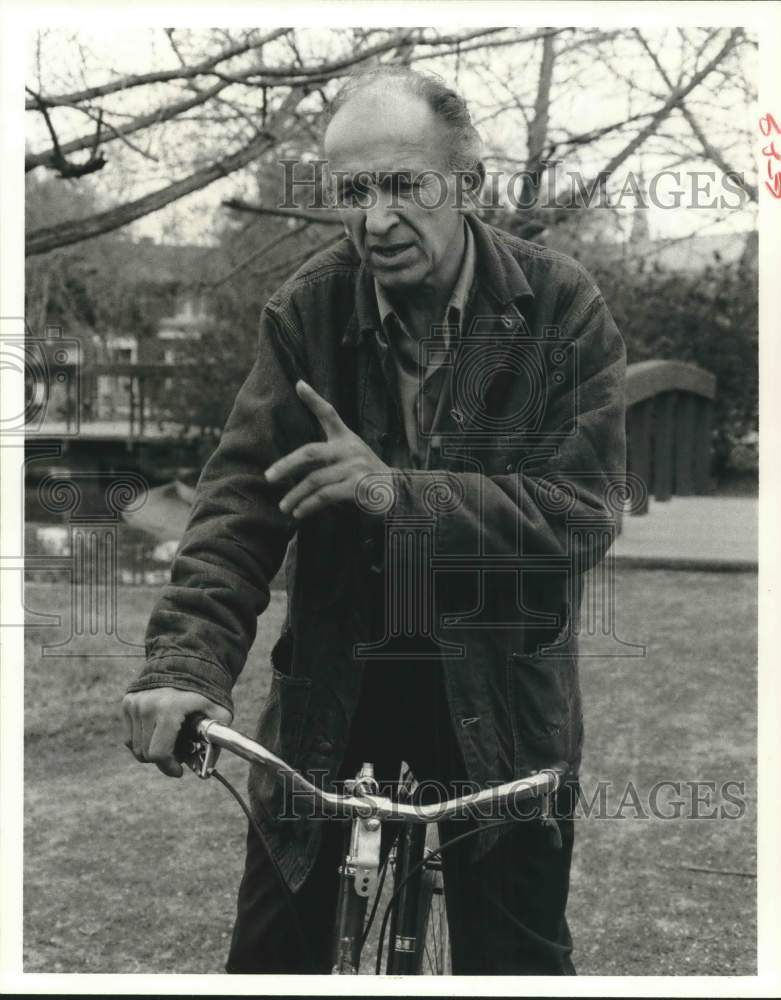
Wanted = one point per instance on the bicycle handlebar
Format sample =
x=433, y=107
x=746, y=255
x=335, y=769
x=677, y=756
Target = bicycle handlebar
x=362, y=804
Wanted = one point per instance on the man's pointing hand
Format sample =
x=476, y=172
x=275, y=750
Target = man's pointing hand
x=325, y=472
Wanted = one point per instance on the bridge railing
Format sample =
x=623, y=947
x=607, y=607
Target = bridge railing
x=668, y=421
x=141, y=391
x=133, y=395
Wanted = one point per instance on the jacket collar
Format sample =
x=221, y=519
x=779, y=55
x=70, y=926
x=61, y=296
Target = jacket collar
x=497, y=269
x=497, y=272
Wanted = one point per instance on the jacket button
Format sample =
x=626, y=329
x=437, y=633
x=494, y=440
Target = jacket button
x=324, y=747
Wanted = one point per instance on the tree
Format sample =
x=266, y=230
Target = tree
x=252, y=259
x=216, y=103
x=256, y=90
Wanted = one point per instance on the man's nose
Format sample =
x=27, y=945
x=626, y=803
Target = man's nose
x=381, y=216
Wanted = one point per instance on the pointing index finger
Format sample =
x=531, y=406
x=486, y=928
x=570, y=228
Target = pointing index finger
x=329, y=419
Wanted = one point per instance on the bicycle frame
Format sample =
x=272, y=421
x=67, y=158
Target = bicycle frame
x=358, y=874
x=358, y=881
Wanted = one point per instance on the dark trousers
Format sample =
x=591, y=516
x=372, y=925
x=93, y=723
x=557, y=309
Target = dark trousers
x=506, y=911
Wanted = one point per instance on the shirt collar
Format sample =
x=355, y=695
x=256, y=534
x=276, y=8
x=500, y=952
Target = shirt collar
x=461, y=289
x=497, y=272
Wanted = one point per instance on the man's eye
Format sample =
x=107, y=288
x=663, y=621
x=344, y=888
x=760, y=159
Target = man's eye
x=402, y=185
x=354, y=194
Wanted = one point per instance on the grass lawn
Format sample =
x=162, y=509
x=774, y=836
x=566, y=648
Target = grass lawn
x=127, y=871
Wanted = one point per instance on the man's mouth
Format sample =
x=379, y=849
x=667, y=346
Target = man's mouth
x=390, y=252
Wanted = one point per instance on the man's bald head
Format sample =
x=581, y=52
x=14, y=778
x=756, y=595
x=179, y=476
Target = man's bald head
x=388, y=90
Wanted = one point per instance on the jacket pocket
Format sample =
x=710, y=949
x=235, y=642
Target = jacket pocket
x=282, y=653
x=540, y=694
x=281, y=724
x=280, y=730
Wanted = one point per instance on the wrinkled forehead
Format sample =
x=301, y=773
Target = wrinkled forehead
x=373, y=134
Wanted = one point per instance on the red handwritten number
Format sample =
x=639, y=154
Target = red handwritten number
x=775, y=190
x=768, y=124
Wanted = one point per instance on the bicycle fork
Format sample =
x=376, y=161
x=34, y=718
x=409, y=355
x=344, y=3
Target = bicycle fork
x=357, y=882
x=405, y=948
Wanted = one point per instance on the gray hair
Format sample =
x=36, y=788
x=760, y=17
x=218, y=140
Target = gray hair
x=448, y=106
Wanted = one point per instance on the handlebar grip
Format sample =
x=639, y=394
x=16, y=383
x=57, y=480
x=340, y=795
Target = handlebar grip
x=188, y=740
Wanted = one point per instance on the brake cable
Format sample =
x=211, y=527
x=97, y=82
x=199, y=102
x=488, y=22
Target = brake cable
x=287, y=891
x=378, y=894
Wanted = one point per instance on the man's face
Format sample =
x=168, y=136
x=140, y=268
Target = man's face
x=389, y=157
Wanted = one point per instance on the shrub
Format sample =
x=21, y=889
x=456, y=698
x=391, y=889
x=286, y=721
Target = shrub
x=710, y=318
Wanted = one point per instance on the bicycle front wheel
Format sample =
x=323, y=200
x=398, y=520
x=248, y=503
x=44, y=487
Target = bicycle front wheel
x=434, y=955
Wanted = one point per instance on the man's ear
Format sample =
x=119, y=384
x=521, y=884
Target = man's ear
x=480, y=176
x=471, y=186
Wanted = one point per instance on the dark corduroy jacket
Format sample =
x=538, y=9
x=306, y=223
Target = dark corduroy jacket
x=514, y=505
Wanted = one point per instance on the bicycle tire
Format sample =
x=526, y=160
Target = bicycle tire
x=434, y=956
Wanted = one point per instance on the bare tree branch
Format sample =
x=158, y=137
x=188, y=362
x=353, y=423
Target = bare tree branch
x=48, y=157
x=49, y=238
x=174, y=47
x=238, y=124
x=459, y=49
x=538, y=130
x=289, y=75
x=260, y=252
x=64, y=168
x=403, y=38
x=293, y=75
x=290, y=264
x=674, y=100
x=320, y=216
x=708, y=148
x=538, y=127
x=539, y=221
x=586, y=138
x=159, y=76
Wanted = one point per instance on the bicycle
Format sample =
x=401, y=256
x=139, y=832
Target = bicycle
x=417, y=936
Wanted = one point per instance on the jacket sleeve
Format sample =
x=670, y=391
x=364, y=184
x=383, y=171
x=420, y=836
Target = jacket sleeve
x=205, y=620
x=529, y=510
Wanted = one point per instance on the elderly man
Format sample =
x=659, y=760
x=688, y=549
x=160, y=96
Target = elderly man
x=435, y=377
